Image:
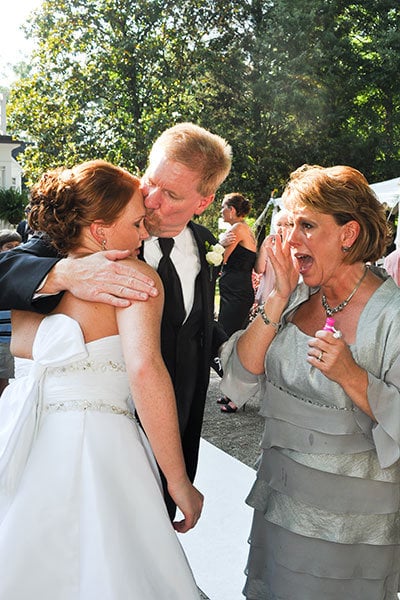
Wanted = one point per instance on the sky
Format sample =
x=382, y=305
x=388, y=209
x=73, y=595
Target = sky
x=13, y=46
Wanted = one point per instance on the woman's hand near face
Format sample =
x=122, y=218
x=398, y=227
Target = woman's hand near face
x=286, y=273
x=256, y=339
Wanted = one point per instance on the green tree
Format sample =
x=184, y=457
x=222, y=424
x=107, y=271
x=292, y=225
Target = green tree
x=12, y=205
x=285, y=83
x=323, y=86
x=108, y=76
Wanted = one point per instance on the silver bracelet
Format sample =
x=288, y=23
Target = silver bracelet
x=265, y=318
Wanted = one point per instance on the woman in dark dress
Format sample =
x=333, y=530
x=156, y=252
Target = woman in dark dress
x=235, y=284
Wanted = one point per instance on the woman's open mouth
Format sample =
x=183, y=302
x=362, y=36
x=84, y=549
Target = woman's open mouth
x=305, y=262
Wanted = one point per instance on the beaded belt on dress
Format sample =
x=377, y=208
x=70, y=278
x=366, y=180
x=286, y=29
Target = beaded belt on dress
x=83, y=405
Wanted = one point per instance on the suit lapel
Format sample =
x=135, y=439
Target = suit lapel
x=207, y=284
x=201, y=245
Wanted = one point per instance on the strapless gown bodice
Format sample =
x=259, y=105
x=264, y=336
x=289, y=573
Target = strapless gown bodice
x=82, y=516
x=97, y=382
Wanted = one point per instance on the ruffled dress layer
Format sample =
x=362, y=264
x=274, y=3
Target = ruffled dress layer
x=326, y=499
x=82, y=515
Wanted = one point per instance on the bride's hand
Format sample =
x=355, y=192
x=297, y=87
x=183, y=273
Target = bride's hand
x=190, y=502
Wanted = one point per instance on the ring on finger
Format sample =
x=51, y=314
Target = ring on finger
x=319, y=357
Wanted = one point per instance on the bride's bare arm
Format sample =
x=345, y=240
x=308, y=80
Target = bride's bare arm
x=24, y=325
x=139, y=328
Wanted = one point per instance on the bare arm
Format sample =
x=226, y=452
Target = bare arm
x=139, y=327
x=262, y=256
x=24, y=325
x=100, y=277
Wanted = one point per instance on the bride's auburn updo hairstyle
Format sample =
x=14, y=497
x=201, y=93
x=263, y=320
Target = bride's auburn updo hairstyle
x=66, y=200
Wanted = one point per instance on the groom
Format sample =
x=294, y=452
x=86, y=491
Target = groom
x=186, y=166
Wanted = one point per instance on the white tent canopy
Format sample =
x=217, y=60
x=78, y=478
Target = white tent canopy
x=388, y=192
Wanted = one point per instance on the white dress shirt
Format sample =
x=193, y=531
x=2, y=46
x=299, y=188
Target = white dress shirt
x=185, y=257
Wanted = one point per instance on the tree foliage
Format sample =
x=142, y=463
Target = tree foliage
x=285, y=83
x=12, y=205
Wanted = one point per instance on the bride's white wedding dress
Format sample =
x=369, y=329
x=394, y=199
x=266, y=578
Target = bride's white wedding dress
x=82, y=515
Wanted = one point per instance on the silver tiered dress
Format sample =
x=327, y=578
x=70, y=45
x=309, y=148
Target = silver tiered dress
x=82, y=515
x=326, y=499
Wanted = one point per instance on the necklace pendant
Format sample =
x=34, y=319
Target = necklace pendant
x=331, y=311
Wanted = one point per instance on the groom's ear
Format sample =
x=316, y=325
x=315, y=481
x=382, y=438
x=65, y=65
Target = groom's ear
x=204, y=203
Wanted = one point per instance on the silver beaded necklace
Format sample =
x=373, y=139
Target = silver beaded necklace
x=331, y=311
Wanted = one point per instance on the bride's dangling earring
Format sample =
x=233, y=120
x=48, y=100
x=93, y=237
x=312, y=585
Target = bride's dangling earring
x=103, y=245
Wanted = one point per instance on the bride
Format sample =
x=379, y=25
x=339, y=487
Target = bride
x=82, y=514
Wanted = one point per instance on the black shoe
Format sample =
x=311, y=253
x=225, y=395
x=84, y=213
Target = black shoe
x=231, y=409
x=228, y=409
x=223, y=400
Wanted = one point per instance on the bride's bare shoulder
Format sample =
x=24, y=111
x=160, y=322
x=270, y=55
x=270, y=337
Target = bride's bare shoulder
x=143, y=267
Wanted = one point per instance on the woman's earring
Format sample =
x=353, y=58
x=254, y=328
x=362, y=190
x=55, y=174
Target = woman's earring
x=103, y=245
x=346, y=248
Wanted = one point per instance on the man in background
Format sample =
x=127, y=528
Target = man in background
x=9, y=239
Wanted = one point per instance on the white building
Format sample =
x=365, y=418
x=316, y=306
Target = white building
x=10, y=169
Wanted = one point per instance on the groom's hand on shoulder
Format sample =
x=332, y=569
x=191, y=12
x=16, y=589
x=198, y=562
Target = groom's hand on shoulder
x=101, y=277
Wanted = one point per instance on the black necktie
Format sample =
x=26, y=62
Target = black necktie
x=174, y=308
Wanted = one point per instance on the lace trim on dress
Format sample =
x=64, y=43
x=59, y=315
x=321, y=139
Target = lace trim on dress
x=93, y=365
x=83, y=405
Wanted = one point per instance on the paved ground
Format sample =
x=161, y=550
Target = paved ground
x=237, y=434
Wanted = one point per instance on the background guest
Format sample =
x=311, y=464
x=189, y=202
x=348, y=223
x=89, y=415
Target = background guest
x=392, y=265
x=235, y=283
x=8, y=239
x=24, y=229
x=262, y=266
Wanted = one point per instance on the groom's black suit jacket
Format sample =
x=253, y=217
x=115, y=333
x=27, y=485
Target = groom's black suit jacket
x=188, y=352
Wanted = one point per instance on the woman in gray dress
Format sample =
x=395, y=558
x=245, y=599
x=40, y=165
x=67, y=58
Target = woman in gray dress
x=326, y=522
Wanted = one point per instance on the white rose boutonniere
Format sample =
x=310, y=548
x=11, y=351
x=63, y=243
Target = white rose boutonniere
x=214, y=255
